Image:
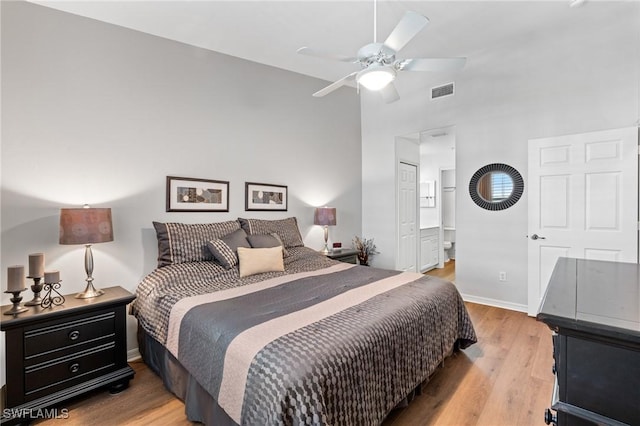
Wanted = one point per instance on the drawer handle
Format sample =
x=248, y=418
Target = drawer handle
x=549, y=418
x=74, y=335
x=74, y=368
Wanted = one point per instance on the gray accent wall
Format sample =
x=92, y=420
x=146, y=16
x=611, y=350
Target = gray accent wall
x=96, y=113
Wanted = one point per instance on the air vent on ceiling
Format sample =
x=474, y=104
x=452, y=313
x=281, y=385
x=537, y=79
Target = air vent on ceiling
x=440, y=91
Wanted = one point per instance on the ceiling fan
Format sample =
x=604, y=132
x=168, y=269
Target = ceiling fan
x=378, y=62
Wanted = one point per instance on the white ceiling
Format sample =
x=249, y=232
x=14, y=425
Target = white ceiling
x=270, y=32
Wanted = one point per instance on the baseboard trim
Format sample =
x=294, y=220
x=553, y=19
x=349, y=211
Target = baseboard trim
x=133, y=355
x=497, y=303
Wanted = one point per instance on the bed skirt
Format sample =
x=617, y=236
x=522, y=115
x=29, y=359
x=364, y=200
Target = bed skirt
x=200, y=406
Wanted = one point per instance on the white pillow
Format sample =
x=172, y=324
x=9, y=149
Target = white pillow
x=258, y=260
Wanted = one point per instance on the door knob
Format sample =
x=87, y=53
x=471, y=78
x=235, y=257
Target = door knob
x=537, y=237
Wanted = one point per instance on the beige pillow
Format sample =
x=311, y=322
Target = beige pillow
x=258, y=260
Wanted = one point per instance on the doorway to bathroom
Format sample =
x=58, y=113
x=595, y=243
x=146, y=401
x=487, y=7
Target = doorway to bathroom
x=437, y=202
x=448, y=214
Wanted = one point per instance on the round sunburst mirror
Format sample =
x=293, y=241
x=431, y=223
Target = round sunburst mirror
x=496, y=186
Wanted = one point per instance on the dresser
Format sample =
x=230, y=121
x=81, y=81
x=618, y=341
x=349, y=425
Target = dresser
x=57, y=353
x=593, y=309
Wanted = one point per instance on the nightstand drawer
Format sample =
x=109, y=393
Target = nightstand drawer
x=41, y=340
x=344, y=255
x=60, y=371
x=350, y=258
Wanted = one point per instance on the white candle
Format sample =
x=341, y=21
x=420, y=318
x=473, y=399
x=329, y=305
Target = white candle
x=52, y=277
x=36, y=265
x=15, y=278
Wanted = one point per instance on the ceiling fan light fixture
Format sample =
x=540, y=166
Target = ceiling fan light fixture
x=376, y=77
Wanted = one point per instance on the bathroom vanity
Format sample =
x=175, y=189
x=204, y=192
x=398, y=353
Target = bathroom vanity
x=429, y=246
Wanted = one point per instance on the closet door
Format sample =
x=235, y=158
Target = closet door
x=407, y=217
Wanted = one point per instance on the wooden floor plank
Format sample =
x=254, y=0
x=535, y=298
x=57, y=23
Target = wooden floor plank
x=447, y=273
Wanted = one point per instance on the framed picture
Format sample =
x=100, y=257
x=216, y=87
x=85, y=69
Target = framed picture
x=197, y=195
x=265, y=197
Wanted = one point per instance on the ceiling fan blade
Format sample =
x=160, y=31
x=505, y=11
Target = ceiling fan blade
x=432, y=64
x=335, y=85
x=389, y=93
x=325, y=55
x=408, y=27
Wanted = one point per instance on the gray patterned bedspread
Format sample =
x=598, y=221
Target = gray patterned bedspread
x=324, y=343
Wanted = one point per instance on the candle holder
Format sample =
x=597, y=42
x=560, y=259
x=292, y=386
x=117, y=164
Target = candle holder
x=48, y=300
x=16, y=299
x=36, y=288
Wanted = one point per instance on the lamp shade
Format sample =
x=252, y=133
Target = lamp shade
x=325, y=216
x=85, y=226
x=376, y=77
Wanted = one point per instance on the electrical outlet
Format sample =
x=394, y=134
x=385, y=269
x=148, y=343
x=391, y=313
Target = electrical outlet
x=502, y=276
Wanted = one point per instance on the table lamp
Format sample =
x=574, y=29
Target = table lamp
x=325, y=216
x=86, y=226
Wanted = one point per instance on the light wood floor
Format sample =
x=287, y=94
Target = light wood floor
x=504, y=379
x=447, y=273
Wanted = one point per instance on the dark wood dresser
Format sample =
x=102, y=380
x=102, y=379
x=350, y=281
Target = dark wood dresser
x=57, y=353
x=593, y=308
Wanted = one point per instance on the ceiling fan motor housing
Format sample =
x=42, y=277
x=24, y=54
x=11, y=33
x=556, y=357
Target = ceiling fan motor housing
x=376, y=53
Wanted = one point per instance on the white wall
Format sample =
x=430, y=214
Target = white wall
x=567, y=79
x=94, y=113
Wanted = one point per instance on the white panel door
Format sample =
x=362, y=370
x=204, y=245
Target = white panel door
x=407, y=217
x=583, y=202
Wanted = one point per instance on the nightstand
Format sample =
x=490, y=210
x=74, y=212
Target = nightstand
x=57, y=353
x=344, y=255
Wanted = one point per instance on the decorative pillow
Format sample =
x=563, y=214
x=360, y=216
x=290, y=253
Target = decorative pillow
x=181, y=242
x=225, y=249
x=258, y=260
x=266, y=241
x=287, y=229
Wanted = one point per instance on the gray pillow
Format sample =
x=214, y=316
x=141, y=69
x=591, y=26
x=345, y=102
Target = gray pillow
x=225, y=249
x=181, y=242
x=287, y=229
x=267, y=241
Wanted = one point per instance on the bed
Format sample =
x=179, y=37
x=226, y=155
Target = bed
x=297, y=338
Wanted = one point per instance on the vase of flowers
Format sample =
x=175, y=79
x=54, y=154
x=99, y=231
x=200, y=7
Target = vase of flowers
x=366, y=249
